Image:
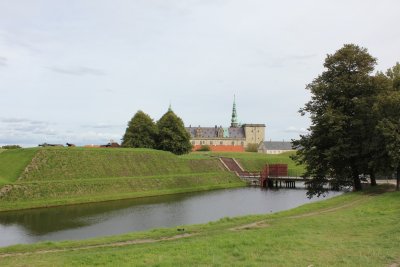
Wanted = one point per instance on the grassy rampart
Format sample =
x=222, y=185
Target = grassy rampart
x=13, y=162
x=57, y=176
x=356, y=229
x=254, y=162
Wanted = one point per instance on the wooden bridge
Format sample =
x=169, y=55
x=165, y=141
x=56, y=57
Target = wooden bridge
x=272, y=176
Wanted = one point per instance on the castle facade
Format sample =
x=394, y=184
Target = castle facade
x=234, y=138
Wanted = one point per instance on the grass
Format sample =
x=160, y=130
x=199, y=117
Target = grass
x=86, y=163
x=255, y=162
x=43, y=177
x=355, y=229
x=13, y=162
x=73, y=191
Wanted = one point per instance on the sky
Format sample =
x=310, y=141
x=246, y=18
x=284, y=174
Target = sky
x=77, y=71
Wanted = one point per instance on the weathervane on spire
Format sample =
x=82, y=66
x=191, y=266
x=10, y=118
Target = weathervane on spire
x=234, y=122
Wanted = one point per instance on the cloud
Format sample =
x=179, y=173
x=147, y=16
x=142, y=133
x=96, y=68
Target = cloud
x=3, y=61
x=280, y=62
x=103, y=126
x=77, y=71
x=302, y=57
x=21, y=120
x=28, y=133
x=20, y=128
x=293, y=129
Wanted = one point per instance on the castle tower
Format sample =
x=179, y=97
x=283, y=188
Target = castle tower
x=234, y=122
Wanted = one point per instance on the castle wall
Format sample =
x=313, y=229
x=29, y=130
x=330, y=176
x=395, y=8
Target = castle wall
x=219, y=141
x=222, y=148
x=255, y=133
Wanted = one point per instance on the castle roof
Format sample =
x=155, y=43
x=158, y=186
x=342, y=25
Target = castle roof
x=277, y=145
x=212, y=132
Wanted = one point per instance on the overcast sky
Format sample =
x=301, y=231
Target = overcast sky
x=77, y=71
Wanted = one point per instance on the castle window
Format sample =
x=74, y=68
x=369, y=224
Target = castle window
x=242, y=143
x=211, y=142
x=221, y=143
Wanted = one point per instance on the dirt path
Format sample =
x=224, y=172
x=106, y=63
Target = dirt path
x=264, y=223
x=115, y=244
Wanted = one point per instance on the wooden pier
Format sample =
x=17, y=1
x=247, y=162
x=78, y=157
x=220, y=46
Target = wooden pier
x=272, y=176
x=281, y=182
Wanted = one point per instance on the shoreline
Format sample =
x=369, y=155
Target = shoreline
x=311, y=232
x=138, y=196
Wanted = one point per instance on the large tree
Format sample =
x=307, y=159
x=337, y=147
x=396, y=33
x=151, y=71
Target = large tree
x=172, y=135
x=141, y=132
x=340, y=107
x=388, y=108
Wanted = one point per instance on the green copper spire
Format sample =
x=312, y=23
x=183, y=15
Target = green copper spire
x=234, y=122
x=169, y=108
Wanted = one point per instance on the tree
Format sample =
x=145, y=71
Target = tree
x=388, y=107
x=141, y=132
x=172, y=135
x=340, y=111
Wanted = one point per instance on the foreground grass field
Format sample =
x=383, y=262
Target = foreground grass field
x=41, y=177
x=356, y=229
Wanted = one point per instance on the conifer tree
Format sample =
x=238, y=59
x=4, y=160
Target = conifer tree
x=172, y=135
x=141, y=132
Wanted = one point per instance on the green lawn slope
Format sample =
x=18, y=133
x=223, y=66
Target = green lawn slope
x=58, y=176
x=13, y=162
x=255, y=162
x=356, y=229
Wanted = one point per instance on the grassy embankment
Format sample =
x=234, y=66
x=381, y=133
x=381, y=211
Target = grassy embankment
x=41, y=177
x=356, y=229
x=254, y=162
x=13, y=162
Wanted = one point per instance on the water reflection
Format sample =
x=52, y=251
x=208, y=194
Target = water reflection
x=116, y=217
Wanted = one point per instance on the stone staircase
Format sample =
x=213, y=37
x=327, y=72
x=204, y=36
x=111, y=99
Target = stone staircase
x=232, y=165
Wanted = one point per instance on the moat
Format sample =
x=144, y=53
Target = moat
x=118, y=217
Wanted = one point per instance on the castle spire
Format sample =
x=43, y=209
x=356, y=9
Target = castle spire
x=234, y=122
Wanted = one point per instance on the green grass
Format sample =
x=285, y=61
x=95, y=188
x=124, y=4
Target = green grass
x=351, y=230
x=13, y=162
x=40, y=177
x=73, y=191
x=84, y=163
x=254, y=162
x=44, y=177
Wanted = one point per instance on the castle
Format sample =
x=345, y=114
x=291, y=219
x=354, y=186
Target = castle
x=234, y=138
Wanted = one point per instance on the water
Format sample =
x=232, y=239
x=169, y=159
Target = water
x=117, y=217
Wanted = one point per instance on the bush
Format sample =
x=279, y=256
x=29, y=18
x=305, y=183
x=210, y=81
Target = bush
x=252, y=148
x=11, y=147
x=204, y=148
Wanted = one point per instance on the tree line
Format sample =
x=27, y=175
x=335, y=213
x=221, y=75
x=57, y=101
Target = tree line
x=168, y=133
x=355, y=122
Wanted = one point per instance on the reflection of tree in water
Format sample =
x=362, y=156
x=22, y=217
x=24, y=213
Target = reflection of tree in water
x=47, y=220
